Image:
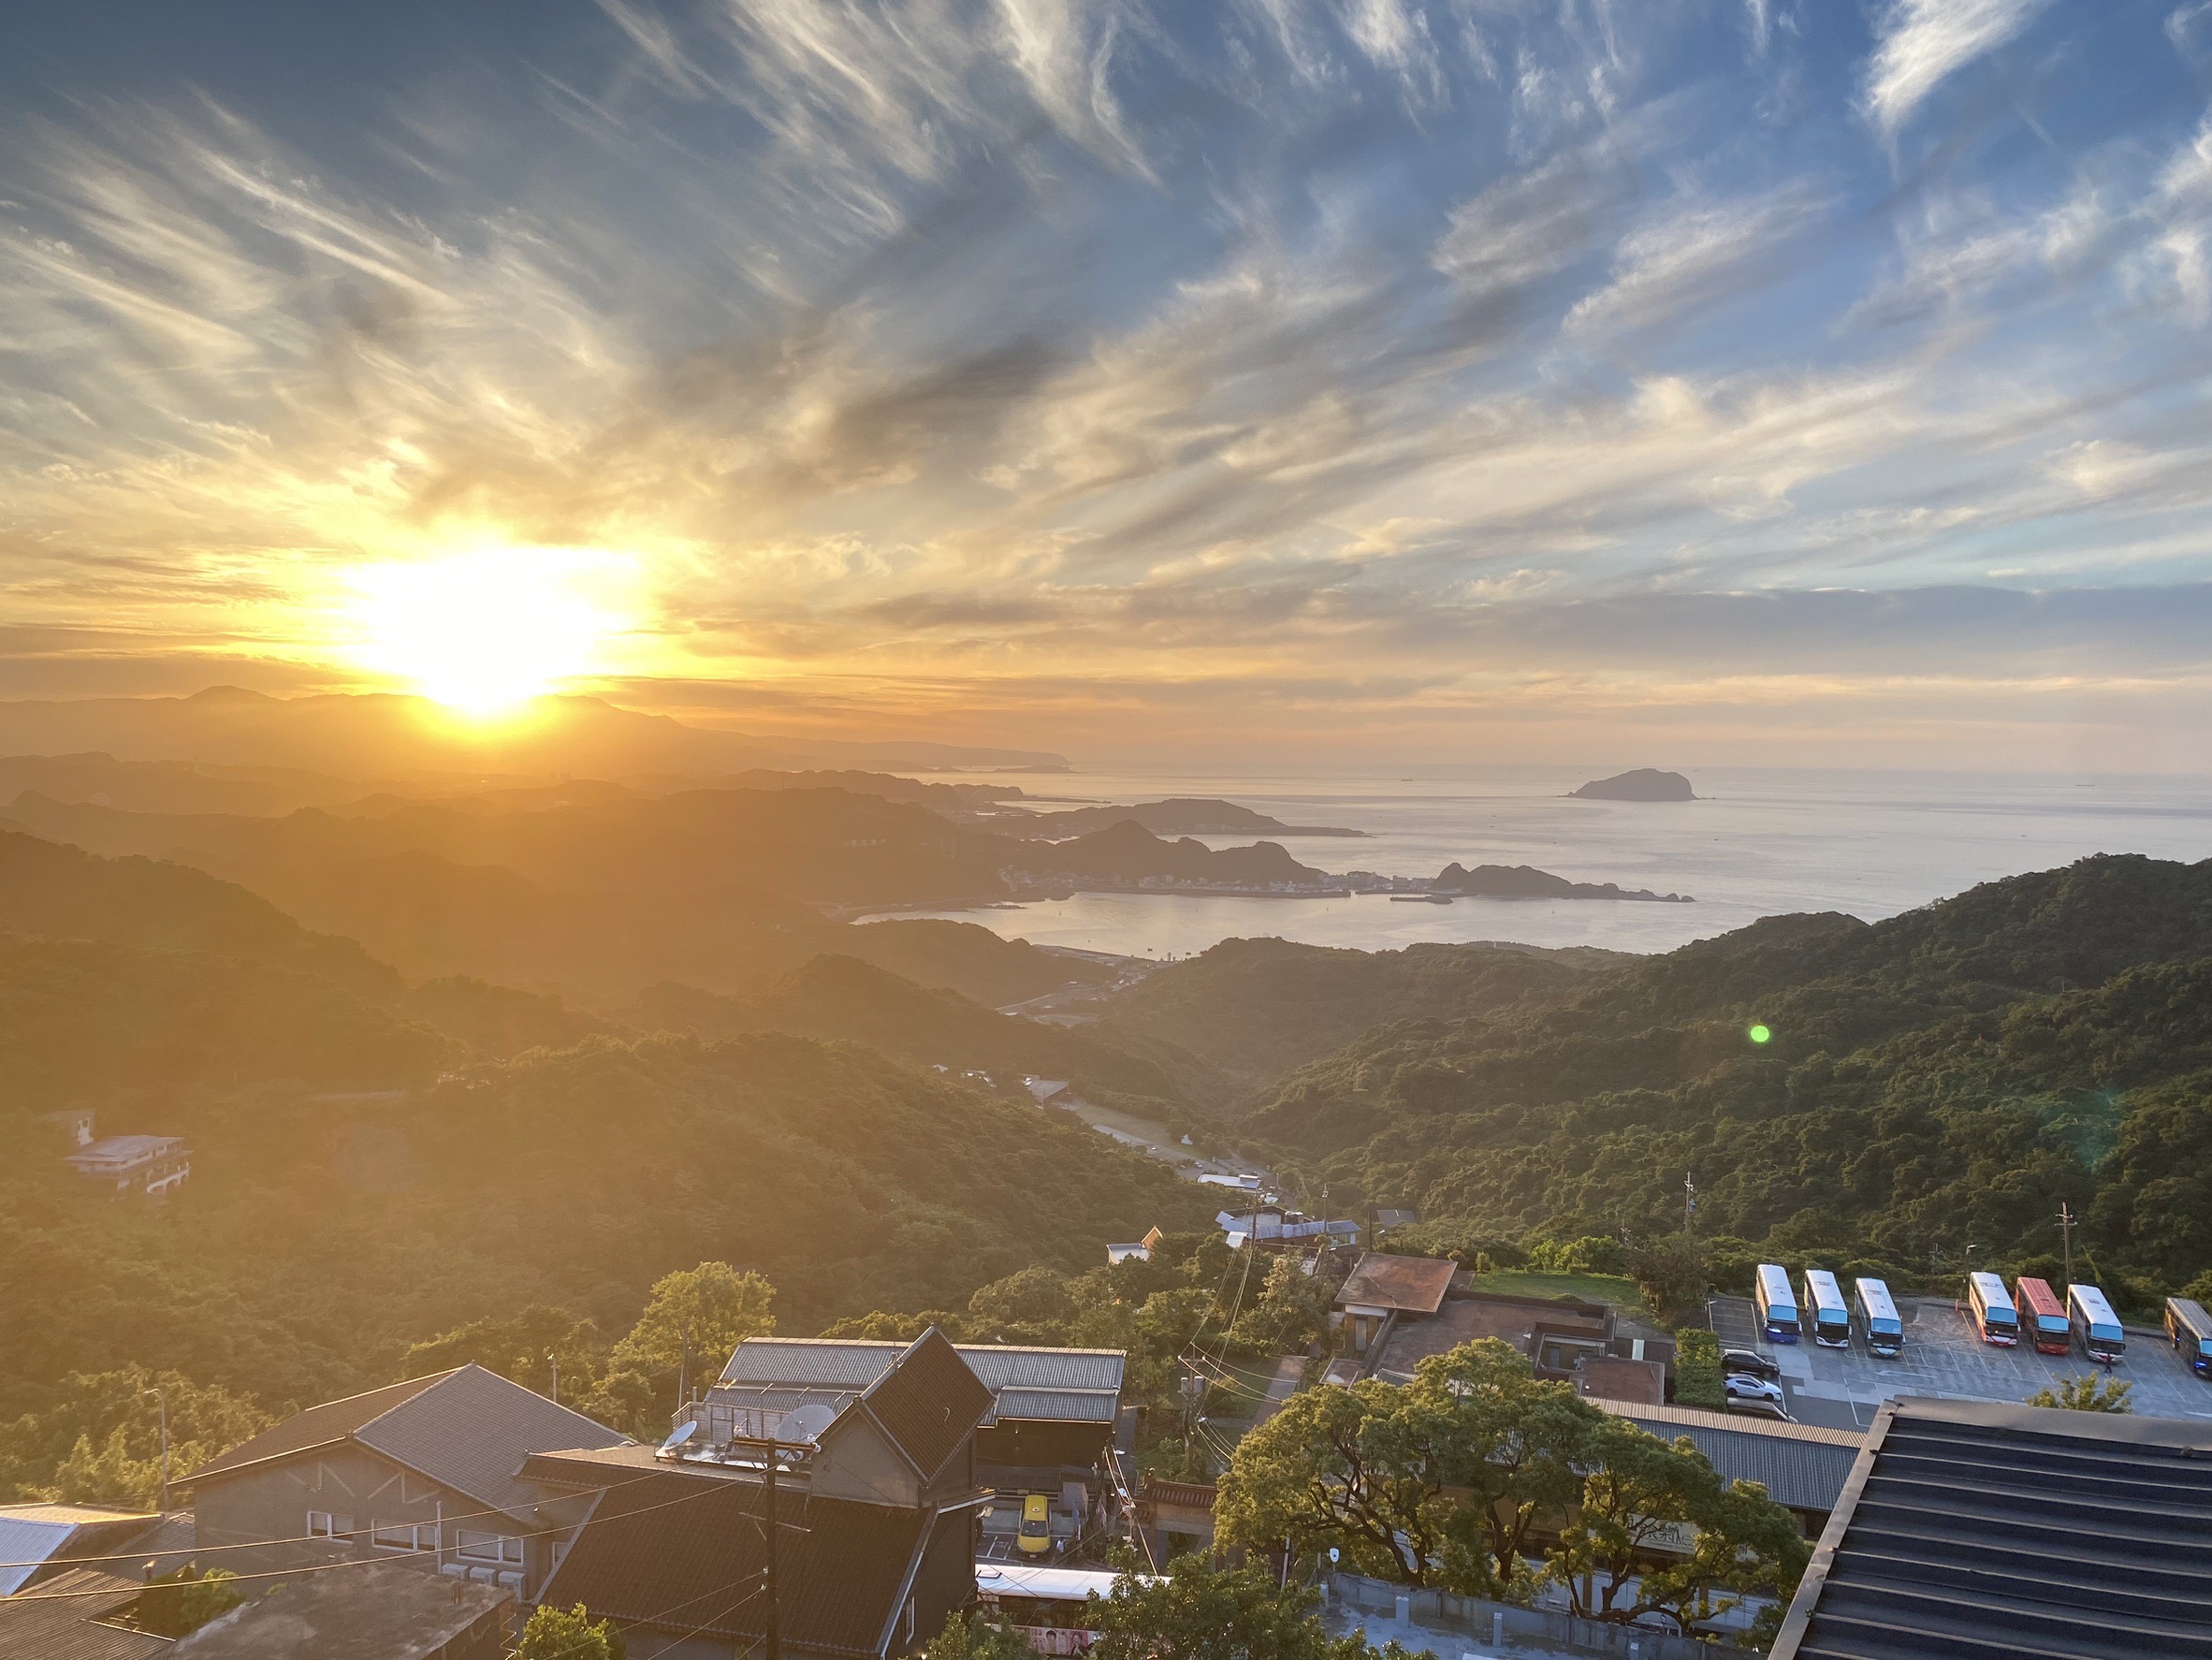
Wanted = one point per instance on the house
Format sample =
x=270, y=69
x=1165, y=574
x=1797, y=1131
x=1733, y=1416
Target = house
x=374, y=1611
x=1273, y=1224
x=873, y=1504
x=1176, y=1517
x=132, y=1164
x=1118, y=1254
x=1969, y=1528
x=1803, y=1467
x=75, y=1572
x=1382, y=1291
x=1048, y=1426
x=1556, y=1333
x=1053, y=1092
x=424, y=1472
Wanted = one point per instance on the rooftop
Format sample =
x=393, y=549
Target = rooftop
x=1057, y=1385
x=1969, y=1528
x=61, y=1620
x=374, y=1612
x=124, y=1149
x=1616, y=1377
x=1801, y=1466
x=34, y=1535
x=1410, y=1285
x=468, y=1429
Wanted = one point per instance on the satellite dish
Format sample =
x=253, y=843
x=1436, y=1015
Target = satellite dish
x=683, y=1433
x=806, y=1423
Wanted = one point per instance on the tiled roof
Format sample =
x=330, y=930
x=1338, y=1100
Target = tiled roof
x=1801, y=1466
x=684, y=1551
x=61, y=1620
x=929, y=1402
x=473, y=1431
x=1970, y=1529
x=318, y=1426
x=1412, y=1285
x=468, y=1429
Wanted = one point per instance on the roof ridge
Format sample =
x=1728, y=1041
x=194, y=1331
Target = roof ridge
x=431, y=1380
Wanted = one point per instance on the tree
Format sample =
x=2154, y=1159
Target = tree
x=111, y=1429
x=1343, y=1467
x=1197, y=1612
x=518, y=1349
x=977, y=1637
x=1670, y=1271
x=2086, y=1393
x=1698, y=1380
x=552, y=1634
x=1656, y=1516
x=179, y=1603
x=695, y=1314
x=1291, y=1311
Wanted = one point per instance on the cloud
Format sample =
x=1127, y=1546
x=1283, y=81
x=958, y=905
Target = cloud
x=1692, y=251
x=1920, y=43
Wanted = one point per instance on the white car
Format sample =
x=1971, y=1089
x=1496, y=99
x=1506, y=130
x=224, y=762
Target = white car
x=1744, y=1388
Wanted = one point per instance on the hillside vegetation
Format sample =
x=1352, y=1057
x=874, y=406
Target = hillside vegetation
x=1943, y=1078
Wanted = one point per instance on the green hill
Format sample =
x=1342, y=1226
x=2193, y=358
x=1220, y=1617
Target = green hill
x=1943, y=1078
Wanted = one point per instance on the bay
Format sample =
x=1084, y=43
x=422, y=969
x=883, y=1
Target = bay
x=1760, y=842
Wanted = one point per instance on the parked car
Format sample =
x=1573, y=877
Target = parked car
x=1741, y=1388
x=1036, y=1533
x=1749, y=1364
x=1760, y=1406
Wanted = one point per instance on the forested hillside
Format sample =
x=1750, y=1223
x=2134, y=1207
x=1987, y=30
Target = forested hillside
x=1259, y=1008
x=1943, y=1078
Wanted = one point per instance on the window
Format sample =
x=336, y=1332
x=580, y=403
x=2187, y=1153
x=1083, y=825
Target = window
x=321, y=1524
x=504, y=1550
x=403, y=1535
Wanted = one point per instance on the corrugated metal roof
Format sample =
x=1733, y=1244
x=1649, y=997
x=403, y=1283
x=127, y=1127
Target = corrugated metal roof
x=1801, y=1466
x=31, y=1541
x=59, y=1620
x=780, y=1373
x=1058, y=1405
x=472, y=1431
x=33, y=1536
x=1972, y=1529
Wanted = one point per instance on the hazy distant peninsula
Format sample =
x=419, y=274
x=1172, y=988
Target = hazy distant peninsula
x=1178, y=816
x=1646, y=783
x=1524, y=882
x=1126, y=855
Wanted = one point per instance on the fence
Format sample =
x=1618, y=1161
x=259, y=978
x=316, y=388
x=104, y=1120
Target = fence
x=1496, y=1622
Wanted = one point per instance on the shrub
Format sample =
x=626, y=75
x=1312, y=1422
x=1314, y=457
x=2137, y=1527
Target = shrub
x=1697, y=1368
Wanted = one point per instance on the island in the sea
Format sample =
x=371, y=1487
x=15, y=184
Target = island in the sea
x=1646, y=783
x=1525, y=881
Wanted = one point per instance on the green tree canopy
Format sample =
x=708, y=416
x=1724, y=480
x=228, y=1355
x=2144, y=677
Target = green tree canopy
x=553, y=1634
x=2086, y=1393
x=976, y=1637
x=525, y=1348
x=1198, y=1612
x=701, y=1313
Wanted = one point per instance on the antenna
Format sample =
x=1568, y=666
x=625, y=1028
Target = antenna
x=806, y=1423
x=683, y=1433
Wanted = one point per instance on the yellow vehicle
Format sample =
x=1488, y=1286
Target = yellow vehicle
x=1036, y=1535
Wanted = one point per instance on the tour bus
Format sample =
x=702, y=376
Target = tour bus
x=2190, y=1328
x=2095, y=1324
x=1878, y=1323
x=1777, y=1308
x=2046, y=1316
x=1831, y=1316
x=1995, y=1317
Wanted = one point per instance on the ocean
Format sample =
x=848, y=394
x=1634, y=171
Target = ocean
x=1761, y=842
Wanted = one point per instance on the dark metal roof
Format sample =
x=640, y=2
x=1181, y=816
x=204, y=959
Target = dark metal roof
x=1970, y=1529
x=318, y=1426
x=685, y=1551
x=59, y=1620
x=467, y=1429
x=1800, y=1464
x=929, y=1402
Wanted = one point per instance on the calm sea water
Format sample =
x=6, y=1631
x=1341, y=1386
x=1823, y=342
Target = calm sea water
x=1763, y=843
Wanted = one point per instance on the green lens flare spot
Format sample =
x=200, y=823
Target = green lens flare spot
x=1758, y=1034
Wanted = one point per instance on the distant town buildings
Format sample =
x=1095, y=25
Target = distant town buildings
x=125, y=1165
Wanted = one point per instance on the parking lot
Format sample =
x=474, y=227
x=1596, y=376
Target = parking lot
x=1841, y=1389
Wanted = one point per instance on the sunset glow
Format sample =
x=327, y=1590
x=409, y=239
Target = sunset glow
x=484, y=631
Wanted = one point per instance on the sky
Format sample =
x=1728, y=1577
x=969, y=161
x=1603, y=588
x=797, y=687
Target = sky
x=1656, y=381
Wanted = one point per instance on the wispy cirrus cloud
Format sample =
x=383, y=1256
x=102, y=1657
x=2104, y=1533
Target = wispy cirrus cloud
x=1921, y=43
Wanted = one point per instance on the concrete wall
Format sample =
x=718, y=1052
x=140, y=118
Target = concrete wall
x=1479, y=1619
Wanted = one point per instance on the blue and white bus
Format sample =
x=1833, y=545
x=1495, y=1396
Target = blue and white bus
x=2190, y=1329
x=1991, y=1307
x=1825, y=1305
x=1778, y=1307
x=1878, y=1323
x=2096, y=1327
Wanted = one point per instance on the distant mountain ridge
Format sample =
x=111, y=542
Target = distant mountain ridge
x=381, y=734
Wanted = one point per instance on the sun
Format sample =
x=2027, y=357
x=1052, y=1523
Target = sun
x=485, y=630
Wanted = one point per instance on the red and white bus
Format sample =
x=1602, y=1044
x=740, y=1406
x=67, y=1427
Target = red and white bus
x=2045, y=1317
x=1991, y=1307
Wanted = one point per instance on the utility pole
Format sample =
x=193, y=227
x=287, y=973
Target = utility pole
x=553, y=1360
x=771, y=1450
x=162, y=1400
x=1689, y=1204
x=683, y=1369
x=2066, y=1235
